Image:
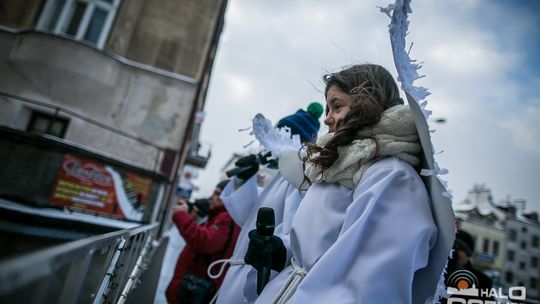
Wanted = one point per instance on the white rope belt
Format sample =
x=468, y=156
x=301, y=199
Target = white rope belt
x=223, y=262
x=288, y=289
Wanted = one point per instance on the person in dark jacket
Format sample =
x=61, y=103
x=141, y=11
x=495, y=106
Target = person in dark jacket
x=461, y=260
x=205, y=243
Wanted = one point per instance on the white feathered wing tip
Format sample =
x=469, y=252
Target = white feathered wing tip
x=408, y=73
x=407, y=67
x=273, y=139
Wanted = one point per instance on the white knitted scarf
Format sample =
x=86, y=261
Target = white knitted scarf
x=396, y=135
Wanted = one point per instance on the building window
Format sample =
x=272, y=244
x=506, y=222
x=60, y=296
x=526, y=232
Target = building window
x=512, y=234
x=524, y=229
x=534, y=241
x=509, y=277
x=85, y=20
x=523, y=245
x=534, y=262
x=533, y=283
x=510, y=255
x=522, y=265
x=485, y=246
x=41, y=123
x=495, y=248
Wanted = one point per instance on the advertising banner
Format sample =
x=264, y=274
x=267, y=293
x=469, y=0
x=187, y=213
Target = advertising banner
x=90, y=186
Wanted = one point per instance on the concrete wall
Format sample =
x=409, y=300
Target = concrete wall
x=171, y=38
x=20, y=14
x=65, y=73
x=173, y=35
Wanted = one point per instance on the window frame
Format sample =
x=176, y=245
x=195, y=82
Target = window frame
x=485, y=245
x=61, y=25
x=495, y=248
x=512, y=235
x=534, y=262
x=535, y=240
x=51, y=118
x=509, y=276
x=510, y=255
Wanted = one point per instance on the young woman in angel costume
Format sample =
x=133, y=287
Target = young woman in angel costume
x=364, y=229
x=242, y=198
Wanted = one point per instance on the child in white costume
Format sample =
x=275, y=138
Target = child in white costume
x=243, y=204
x=364, y=229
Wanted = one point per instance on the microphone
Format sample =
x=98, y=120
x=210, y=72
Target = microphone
x=261, y=159
x=266, y=223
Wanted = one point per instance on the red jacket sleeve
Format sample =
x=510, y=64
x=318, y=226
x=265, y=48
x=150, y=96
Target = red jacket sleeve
x=206, y=239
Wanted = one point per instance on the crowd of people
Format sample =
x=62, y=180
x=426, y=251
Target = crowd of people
x=359, y=228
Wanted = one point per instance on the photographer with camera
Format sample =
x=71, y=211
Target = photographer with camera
x=210, y=241
x=199, y=209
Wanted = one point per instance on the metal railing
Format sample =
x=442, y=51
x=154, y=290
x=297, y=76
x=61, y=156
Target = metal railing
x=72, y=114
x=99, y=269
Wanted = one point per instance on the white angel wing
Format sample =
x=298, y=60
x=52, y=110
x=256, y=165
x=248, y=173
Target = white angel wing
x=430, y=280
x=273, y=139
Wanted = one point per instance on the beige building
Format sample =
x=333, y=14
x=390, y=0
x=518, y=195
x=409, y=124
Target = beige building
x=507, y=239
x=111, y=85
x=489, y=244
x=479, y=216
x=100, y=106
x=122, y=77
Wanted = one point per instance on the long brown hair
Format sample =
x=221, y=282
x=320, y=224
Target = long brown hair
x=373, y=88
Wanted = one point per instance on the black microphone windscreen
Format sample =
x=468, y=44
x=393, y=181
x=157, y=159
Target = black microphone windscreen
x=265, y=221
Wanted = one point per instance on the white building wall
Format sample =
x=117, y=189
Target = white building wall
x=521, y=269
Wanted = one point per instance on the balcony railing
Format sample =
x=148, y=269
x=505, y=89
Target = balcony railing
x=98, y=269
x=199, y=154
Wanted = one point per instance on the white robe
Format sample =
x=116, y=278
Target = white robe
x=243, y=205
x=362, y=245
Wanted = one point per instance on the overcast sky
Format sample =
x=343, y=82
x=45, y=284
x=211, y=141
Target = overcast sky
x=480, y=66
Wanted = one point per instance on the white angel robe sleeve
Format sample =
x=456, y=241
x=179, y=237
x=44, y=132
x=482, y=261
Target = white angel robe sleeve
x=290, y=206
x=291, y=201
x=386, y=236
x=239, y=202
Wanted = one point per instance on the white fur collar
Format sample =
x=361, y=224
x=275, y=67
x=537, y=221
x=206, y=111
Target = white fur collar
x=396, y=135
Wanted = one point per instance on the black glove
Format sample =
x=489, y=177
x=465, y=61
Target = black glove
x=247, y=161
x=270, y=254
